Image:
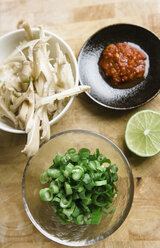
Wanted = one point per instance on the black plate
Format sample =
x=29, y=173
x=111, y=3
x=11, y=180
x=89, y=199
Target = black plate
x=101, y=91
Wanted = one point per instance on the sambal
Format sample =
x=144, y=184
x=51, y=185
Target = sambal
x=122, y=63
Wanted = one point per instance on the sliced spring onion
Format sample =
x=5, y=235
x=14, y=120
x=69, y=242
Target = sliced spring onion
x=74, y=157
x=80, y=219
x=68, y=188
x=44, y=178
x=71, y=150
x=46, y=194
x=87, y=178
x=54, y=188
x=81, y=186
x=77, y=174
x=57, y=159
x=110, y=211
x=100, y=183
x=54, y=173
x=64, y=203
x=69, y=211
x=96, y=216
x=76, y=212
x=84, y=153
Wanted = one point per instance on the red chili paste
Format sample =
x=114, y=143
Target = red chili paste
x=122, y=62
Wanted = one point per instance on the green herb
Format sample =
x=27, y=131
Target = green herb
x=0, y=81
x=81, y=186
x=28, y=80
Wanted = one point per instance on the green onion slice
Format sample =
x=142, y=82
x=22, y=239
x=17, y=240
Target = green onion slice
x=46, y=194
x=80, y=186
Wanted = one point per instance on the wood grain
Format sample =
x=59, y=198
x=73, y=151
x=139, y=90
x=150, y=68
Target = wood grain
x=75, y=21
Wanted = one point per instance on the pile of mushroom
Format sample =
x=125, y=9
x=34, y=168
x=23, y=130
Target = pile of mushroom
x=35, y=88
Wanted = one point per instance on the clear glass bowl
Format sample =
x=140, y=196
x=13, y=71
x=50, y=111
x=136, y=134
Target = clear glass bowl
x=41, y=213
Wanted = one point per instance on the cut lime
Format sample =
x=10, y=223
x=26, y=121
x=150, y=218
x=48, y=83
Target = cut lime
x=142, y=134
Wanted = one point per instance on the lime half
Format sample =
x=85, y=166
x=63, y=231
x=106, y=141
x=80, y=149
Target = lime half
x=142, y=134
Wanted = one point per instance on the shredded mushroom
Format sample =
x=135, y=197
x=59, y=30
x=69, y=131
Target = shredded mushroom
x=33, y=90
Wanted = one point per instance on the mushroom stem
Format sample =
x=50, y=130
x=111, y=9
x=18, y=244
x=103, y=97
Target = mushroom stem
x=40, y=101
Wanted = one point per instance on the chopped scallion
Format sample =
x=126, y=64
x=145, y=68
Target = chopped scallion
x=81, y=186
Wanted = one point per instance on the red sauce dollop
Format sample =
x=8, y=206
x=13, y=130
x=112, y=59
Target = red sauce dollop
x=122, y=63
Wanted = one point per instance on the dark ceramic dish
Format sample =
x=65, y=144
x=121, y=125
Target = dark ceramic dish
x=102, y=91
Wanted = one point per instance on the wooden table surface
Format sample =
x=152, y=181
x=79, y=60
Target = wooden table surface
x=75, y=21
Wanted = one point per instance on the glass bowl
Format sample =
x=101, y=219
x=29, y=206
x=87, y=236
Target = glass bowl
x=41, y=213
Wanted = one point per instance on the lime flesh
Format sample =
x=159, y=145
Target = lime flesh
x=142, y=134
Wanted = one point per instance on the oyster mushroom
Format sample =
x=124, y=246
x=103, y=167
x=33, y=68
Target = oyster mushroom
x=45, y=124
x=35, y=87
x=32, y=145
x=17, y=101
x=40, y=101
x=28, y=30
x=4, y=111
x=26, y=71
x=23, y=113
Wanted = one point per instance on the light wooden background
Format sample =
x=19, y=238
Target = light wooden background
x=75, y=21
